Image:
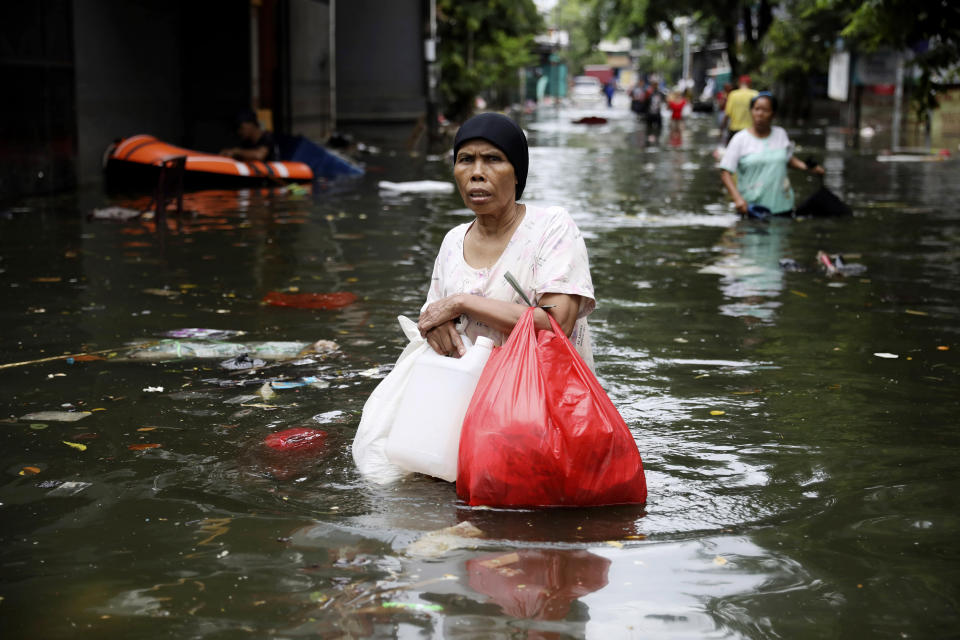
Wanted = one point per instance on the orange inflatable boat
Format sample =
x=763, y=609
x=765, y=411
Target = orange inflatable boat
x=136, y=159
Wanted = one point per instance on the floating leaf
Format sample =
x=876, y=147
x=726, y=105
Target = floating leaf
x=719, y=561
x=75, y=445
x=717, y=412
x=943, y=347
x=914, y=312
x=798, y=293
x=37, y=426
x=615, y=544
x=29, y=471
x=146, y=428
x=143, y=447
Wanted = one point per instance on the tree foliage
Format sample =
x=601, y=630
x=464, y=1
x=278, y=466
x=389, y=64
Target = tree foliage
x=788, y=41
x=483, y=45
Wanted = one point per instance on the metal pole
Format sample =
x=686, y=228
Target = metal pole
x=897, y=104
x=333, y=65
x=433, y=72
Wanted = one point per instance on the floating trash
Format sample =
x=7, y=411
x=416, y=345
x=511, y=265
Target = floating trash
x=417, y=186
x=271, y=350
x=308, y=381
x=203, y=334
x=69, y=488
x=56, y=416
x=296, y=438
x=310, y=300
x=242, y=361
x=436, y=543
x=115, y=213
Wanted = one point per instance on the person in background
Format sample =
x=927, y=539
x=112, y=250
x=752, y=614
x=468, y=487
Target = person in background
x=637, y=99
x=653, y=99
x=540, y=246
x=737, y=108
x=609, y=89
x=759, y=156
x=721, y=98
x=255, y=143
x=676, y=102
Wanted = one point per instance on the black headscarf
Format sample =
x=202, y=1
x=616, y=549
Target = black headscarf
x=504, y=134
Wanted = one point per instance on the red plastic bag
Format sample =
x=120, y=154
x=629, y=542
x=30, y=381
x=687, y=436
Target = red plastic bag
x=538, y=584
x=541, y=431
x=296, y=438
x=310, y=300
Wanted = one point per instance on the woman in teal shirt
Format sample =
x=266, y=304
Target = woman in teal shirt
x=760, y=155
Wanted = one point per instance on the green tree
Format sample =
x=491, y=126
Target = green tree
x=576, y=17
x=799, y=44
x=483, y=45
x=718, y=20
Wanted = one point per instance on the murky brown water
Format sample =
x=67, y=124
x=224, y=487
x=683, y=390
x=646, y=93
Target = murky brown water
x=800, y=484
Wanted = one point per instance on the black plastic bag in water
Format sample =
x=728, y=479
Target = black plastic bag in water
x=823, y=203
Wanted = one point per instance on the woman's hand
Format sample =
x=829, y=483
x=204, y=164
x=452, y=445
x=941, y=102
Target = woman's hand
x=819, y=170
x=731, y=187
x=439, y=312
x=445, y=340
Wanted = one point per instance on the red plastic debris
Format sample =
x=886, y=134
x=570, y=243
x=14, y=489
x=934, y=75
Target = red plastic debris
x=310, y=300
x=295, y=439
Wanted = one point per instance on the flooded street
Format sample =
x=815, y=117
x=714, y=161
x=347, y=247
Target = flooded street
x=798, y=430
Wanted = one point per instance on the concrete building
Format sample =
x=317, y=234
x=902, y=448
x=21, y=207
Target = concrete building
x=82, y=73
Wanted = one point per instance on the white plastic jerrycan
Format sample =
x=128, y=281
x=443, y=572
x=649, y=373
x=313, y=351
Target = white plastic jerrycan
x=425, y=436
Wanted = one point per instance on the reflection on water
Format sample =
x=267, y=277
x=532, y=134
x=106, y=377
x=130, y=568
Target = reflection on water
x=797, y=481
x=540, y=584
x=749, y=266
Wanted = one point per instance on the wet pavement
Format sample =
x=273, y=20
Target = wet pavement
x=798, y=428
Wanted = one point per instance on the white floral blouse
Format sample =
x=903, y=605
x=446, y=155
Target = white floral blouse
x=546, y=254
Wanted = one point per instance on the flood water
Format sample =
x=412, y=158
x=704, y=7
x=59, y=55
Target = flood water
x=799, y=431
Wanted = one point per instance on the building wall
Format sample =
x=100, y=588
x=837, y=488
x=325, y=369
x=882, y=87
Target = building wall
x=310, y=69
x=158, y=67
x=128, y=80
x=38, y=127
x=380, y=69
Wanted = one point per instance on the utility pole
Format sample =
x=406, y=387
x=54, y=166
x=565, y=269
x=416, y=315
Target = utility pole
x=433, y=75
x=897, y=104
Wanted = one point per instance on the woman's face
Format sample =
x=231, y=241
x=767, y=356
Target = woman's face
x=485, y=177
x=762, y=112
